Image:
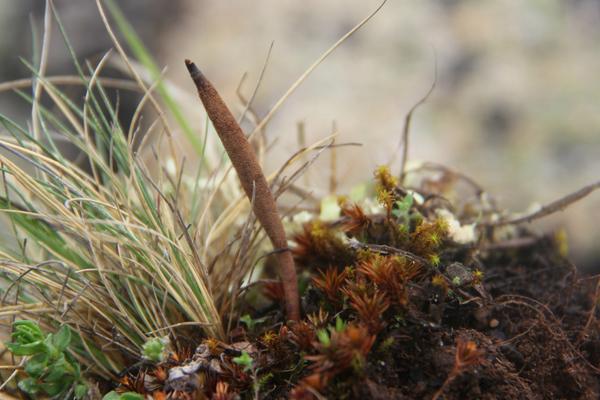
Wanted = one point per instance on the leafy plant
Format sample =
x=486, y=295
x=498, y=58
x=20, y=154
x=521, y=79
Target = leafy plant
x=403, y=207
x=339, y=350
x=330, y=282
x=155, y=349
x=324, y=335
x=50, y=369
x=250, y=322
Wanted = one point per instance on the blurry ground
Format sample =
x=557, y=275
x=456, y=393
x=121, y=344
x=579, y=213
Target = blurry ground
x=23, y=20
x=515, y=105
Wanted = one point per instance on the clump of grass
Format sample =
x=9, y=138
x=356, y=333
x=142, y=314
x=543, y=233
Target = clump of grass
x=139, y=247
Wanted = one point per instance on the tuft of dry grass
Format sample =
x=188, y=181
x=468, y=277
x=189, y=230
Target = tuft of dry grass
x=140, y=246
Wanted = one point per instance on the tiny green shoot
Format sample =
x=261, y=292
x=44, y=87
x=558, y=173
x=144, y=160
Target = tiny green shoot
x=245, y=360
x=155, y=349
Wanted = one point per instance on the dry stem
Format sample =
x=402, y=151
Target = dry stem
x=253, y=181
x=406, y=129
x=551, y=208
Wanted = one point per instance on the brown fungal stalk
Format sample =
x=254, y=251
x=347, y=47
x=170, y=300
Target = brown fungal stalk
x=253, y=182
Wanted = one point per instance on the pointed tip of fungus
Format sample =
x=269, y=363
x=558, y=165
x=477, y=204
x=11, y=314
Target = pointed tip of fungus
x=193, y=69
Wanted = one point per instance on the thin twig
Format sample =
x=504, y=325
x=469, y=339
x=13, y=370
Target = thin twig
x=384, y=249
x=516, y=243
x=136, y=76
x=549, y=209
x=333, y=162
x=257, y=86
x=260, y=142
x=440, y=391
x=300, y=155
x=252, y=179
x=310, y=69
x=407, y=121
x=301, y=140
x=432, y=166
x=12, y=375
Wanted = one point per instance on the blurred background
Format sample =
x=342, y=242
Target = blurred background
x=515, y=105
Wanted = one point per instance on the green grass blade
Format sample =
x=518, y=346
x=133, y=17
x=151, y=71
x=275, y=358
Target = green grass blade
x=144, y=57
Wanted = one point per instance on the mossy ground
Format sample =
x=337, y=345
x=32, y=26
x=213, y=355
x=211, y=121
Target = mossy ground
x=394, y=307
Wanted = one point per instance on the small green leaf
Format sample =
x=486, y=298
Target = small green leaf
x=26, y=323
x=36, y=365
x=247, y=319
x=27, y=329
x=340, y=325
x=29, y=386
x=123, y=396
x=407, y=202
x=74, y=365
x=403, y=207
x=251, y=323
x=26, y=332
x=62, y=338
x=53, y=352
x=27, y=349
x=112, y=395
x=56, y=388
x=154, y=349
x=131, y=396
x=81, y=391
x=244, y=360
x=58, y=370
x=323, y=337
